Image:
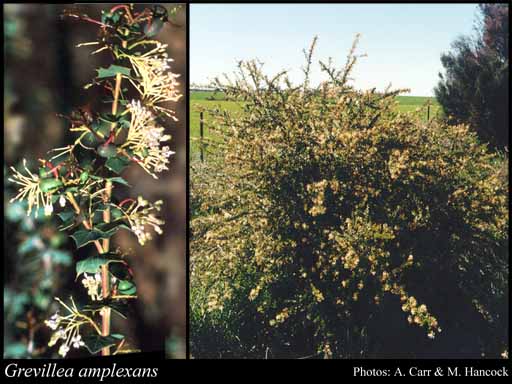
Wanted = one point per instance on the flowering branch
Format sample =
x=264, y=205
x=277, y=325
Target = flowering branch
x=84, y=173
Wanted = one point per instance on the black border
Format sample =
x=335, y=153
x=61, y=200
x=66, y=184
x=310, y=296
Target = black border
x=187, y=235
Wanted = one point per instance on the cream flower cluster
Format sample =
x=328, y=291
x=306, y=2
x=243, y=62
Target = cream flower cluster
x=93, y=285
x=144, y=140
x=141, y=215
x=67, y=328
x=31, y=191
x=157, y=83
x=419, y=315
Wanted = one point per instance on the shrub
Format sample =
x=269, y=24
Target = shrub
x=333, y=225
x=474, y=89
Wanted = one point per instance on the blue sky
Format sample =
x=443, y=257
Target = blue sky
x=403, y=41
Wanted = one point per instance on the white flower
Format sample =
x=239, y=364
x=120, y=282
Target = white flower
x=140, y=215
x=144, y=139
x=56, y=336
x=77, y=341
x=61, y=333
x=53, y=322
x=63, y=350
x=48, y=209
x=62, y=201
x=93, y=285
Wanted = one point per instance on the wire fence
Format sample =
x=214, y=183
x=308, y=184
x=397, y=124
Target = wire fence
x=434, y=112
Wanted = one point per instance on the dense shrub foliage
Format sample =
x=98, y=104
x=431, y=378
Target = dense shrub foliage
x=334, y=226
x=475, y=86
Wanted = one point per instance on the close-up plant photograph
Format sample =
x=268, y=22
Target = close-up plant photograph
x=94, y=180
x=349, y=201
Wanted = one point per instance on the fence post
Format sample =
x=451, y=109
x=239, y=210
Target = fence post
x=201, y=134
x=428, y=112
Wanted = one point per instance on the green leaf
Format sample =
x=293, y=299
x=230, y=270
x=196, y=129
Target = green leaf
x=85, y=158
x=96, y=343
x=32, y=243
x=97, y=216
x=94, y=263
x=50, y=185
x=112, y=71
x=28, y=222
x=107, y=227
x=107, y=151
x=15, y=351
x=116, y=213
x=15, y=211
x=118, y=306
x=67, y=217
x=109, y=118
x=119, y=180
x=119, y=271
x=117, y=163
x=102, y=126
x=44, y=173
x=84, y=176
x=15, y=302
x=83, y=237
x=41, y=300
x=89, y=139
x=71, y=189
x=90, y=265
x=59, y=257
x=109, y=18
x=124, y=123
x=127, y=287
x=57, y=240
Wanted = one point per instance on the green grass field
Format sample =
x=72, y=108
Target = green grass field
x=200, y=99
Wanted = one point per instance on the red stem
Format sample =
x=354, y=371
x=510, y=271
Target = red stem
x=125, y=201
x=118, y=7
x=110, y=139
x=130, y=271
x=52, y=169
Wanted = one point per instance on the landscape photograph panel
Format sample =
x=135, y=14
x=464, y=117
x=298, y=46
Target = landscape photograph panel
x=349, y=181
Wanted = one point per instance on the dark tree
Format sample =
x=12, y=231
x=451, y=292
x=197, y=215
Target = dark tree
x=474, y=89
